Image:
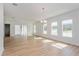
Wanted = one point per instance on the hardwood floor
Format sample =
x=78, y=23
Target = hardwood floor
x=38, y=46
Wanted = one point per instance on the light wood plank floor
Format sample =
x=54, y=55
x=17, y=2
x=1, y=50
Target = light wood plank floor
x=38, y=46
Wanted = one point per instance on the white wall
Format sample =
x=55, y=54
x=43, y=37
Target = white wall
x=14, y=22
x=1, y=29
x=74, y=15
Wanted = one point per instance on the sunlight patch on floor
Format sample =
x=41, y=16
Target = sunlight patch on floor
x=38, y=38
x=60, y=45
x=47, y=41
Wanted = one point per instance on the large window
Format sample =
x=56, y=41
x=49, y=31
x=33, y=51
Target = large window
x=17, y=30
x=54, y=28
x=21, y=30
x=67, y=28
x=24, y=30
x=34, y=28
x=45, y=28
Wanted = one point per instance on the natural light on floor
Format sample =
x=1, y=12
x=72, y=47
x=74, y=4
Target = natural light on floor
x=47, y=41
x=60, y=45
x=53, y=43
x=38, y=38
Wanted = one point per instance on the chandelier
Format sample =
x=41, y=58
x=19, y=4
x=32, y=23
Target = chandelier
x=43, y=18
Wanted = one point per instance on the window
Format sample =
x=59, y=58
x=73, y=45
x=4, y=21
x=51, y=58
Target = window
x=54, y=28
x=67, y=28
x=17, y=29
x=24, y=30
x=34, y=28
x=20, y=30
x=45, y=28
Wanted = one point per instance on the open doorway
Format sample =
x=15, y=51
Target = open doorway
x=6, y=34
x=7, y=30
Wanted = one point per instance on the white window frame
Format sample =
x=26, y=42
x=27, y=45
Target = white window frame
x=44, y=31
x=34, y=28
x=53, y=31
x=21, y=30
x=64, y=23
x=17, y=29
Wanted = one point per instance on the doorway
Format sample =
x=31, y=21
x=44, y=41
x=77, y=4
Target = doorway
x=7, y=30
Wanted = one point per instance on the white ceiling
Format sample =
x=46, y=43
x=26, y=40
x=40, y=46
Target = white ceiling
x=33, y=11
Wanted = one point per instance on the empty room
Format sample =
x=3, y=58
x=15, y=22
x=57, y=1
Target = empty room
x=39, y=29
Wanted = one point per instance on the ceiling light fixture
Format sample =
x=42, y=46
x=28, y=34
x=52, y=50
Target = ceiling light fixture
x=43, y=19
